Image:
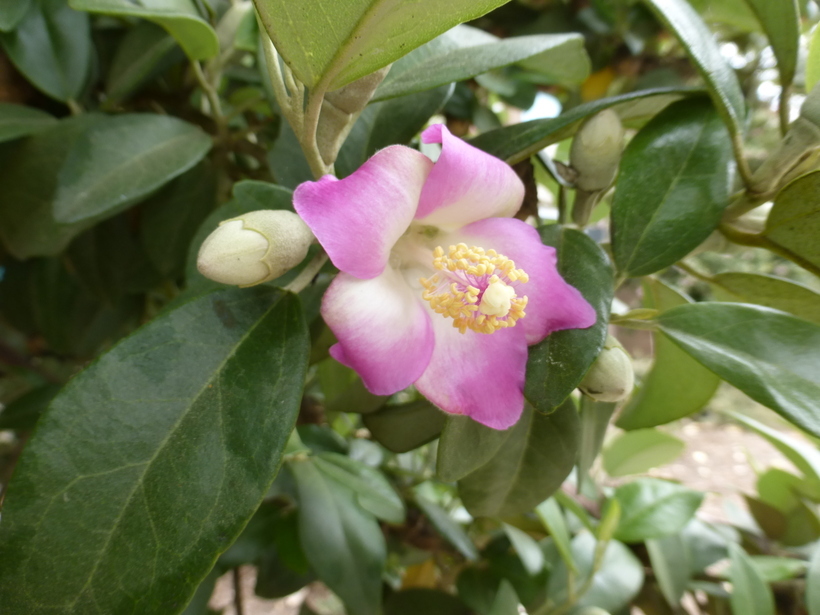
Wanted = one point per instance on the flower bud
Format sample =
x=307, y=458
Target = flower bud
x=611, y=377
x=253, y=248
x=596, y=151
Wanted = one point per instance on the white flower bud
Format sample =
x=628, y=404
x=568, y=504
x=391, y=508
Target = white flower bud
x=611, y=377
x=596, y=151
x=254, y=248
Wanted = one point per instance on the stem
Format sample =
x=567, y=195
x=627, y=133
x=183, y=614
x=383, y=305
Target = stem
x=694, y=272
x=308, y=137
x=743, y=204
x=74, y=107
x=784, y=108
x=742, y=164
x=237, y=591
x=307, y=274
x=755, y=240
x=212, y=96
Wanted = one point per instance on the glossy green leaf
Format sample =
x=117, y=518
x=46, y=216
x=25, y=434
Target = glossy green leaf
x=813, y=583
x=530, y=465
x=405, y=427
x=671, y=563
x=616, y=583
x=421, y=600
x=150, y=462
x=558, y=364
x=750, y=593
x=180, y=18
x=342, y=542
x=520, y=141
x=804, y=456
x=595, y=417
x=672, y=186
x=653, y=508
x=636, y=452
x=781, y=23
x=393, y=121
x=813, y=64
x=20, y=121
x=734, y=13
x=769, y=355
x=768, y=290
x=448, y=527
x=677, y=385
x=11, y=12
x=552, y=518
x=702, y=47
x=52, y=47
x=171, y=217
x=793, y=224
x=370, y=487
x=465, y=445
x=144, y=52
x=466, y=61
x=527, y=548
x=120, y=160
x=334, y=44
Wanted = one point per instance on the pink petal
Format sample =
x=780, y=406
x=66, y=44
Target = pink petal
x=359, y=218
x=466, y=184
x=384, y=332
x=479, y=375
x=553, y=304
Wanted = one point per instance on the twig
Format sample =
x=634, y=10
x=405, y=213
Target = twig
x=237, y=591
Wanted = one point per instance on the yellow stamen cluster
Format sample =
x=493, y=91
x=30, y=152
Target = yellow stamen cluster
x=469, y=271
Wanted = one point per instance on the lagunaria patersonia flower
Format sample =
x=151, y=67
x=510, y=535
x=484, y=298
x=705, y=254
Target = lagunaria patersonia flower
x=438, y=285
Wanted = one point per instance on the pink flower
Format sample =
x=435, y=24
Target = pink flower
x=438, y=285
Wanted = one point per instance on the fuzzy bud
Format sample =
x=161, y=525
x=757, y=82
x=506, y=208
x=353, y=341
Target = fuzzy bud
x=596, y=151
x=611, y=377
x=254, y=248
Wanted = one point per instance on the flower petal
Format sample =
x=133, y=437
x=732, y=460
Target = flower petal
x=479, y=375
x=384, y=332
x=466, y=184
x=553, y=304
x=358, y=219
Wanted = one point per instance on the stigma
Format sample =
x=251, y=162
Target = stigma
x=477, y=288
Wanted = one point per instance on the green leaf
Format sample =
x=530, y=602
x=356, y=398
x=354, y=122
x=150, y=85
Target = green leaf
x=813, y=583
x=672, y=186
x=19, y=121
x=750, y=593
x=24, y=412
x=120, y=160
x=813, y=66
x=528, y=550
x=171, y=217
x=11, y=12
x=404, y=427
x=617, y=581
x=447, y=527
x=552, y=518
x=558, y=364
x=595, y=418
x=335, y=44
x=520, y=141
x=465, y=445
x=793, y=224
x=150, y=462
x=506, y=600
x=342, y=542
x=52, y=47
x=636, y=452
x=461, y=62
x=144, y=52
x=769, y=355
x=778, y=293
x=773, y=569
x=180, y=18
x=530, y=465
x=677, y=385
x=421, y=600
x=781, y=23
x=702, y=47
x=671, y=563
x=653, y=508
x=805, y=457
x=344, y=390
x=370, y=487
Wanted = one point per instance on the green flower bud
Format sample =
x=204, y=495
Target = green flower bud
x=611, y=377
x=596, y=151
x=254, y=248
